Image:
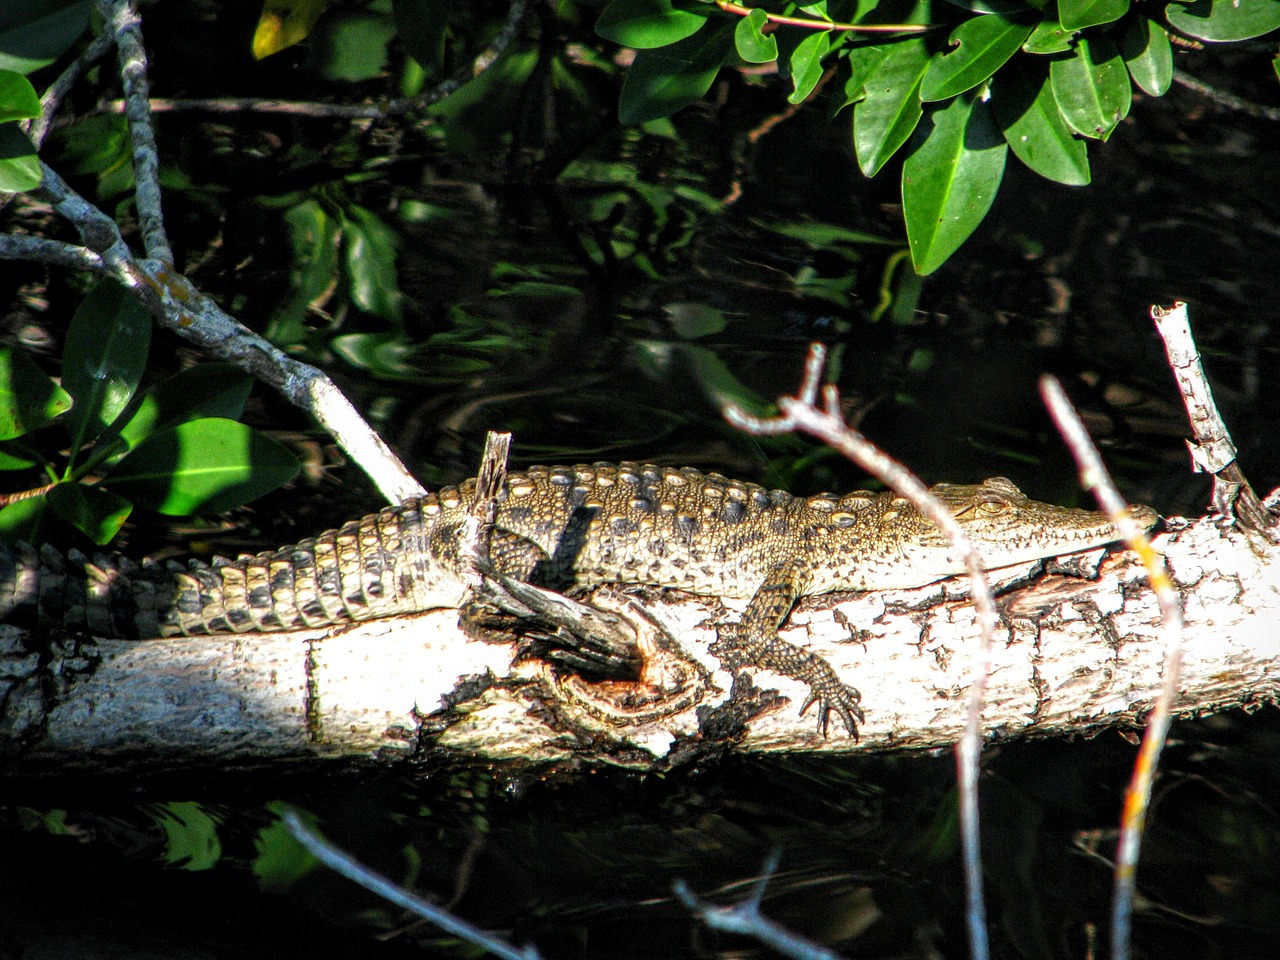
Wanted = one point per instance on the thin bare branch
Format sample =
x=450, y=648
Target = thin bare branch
x=745, y=918
x=17, y=246
x=351, y=111
x=799, y=413
x=58, y=90
x=179, y=306
x=479, y=64
x=125, y=25
x=812, y=23
x=1094, y=477
x=1224, y=99
x=297, y=108
x=344, y=864
x=1212, y=450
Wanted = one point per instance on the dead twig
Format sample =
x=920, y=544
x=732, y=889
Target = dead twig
x=1212, y=450
x=801, y=413
x=1094, y=477
x=746, y=918
x=347, y=866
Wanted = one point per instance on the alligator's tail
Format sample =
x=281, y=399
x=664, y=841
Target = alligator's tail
x=340, y=576
x=105, y=596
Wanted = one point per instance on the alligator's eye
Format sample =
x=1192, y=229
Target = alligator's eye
x=993, y=506
x=984, y=504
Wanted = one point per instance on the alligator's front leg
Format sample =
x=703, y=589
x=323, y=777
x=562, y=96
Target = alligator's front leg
x=754, y=642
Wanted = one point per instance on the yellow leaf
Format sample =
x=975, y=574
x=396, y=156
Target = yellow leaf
x=284, y=23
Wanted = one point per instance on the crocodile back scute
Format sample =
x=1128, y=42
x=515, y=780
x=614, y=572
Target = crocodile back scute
x=642, y=523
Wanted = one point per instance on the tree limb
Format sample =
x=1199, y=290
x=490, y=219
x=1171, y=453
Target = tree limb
x=1077, y=657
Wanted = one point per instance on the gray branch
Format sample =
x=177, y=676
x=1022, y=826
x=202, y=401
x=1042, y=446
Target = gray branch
x=18, y=246
x=123, y=22
x=178, y=306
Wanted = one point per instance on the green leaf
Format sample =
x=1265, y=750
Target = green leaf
x=98, y=514
x=1027, y=112
x=950, y=179
x=103, y=359
x=385, y=355
x=202, y=466
x=95, y=145
x=719, y=384
x=890, y=110
x=1078, y=14
x=805, y=65
x=52, y=822
x=1004, y=7
x=191, y=835
x=1148, y=55
x=752, y=43
x=369, y=252
x=1220, y=21
x=313, y=235
x=1092, y=87
x=422, y=26
x=34, y=33
x=861, y=63
x=480, y=116
x=19, y=165
x=660, y=82
x=351, y=45
x=16, y=456
x=689, y=321
x=23, y=521
x=205, y=390
x=980, y=47
x=18, y=98
x=1048, y=37
x=281, y=860
x=824, y=236
x=284, y=23
x=648, y=24
x=28, y=397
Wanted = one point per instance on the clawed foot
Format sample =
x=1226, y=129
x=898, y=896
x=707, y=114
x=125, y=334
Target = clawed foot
x=825, y=688
x=837, y=698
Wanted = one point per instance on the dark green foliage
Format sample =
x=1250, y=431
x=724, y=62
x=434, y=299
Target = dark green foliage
x=171, y=448
x=34, y=33
x=19, y=168
x=1094, y=47
x=667, y=79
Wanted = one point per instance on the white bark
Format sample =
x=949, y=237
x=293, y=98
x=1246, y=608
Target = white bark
x=1079, y=656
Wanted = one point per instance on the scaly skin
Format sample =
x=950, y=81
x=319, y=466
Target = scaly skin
x=567, y=527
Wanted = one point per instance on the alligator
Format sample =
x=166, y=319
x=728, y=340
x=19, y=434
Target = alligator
x=569, y=528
